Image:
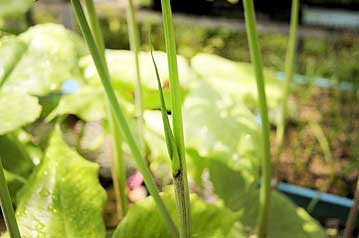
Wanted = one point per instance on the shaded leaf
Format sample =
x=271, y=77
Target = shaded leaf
x=14, y=157
x=14, y=183
x=286, y=220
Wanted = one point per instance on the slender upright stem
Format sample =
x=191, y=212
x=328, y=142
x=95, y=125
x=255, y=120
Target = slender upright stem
x=289, y=72
x=120, y=117
x=265, y=191
x=352, y=214
x=94, y=24
x=118, y=168
x=180, y=177
x=135, y=45
x=6, y=206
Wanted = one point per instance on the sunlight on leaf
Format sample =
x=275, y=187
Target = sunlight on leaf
x=217, y=125
x=12, y=8
x=51, y=58
x=143, y=220
x=236, y=79
x=17, y=110
x=63, y=198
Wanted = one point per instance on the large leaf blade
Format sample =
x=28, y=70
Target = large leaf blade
x=209, y=220
x=63, y=198
x=242, y=195
x=17, y=110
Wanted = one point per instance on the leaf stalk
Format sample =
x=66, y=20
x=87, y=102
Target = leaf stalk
x=6, y=206
x=120, y=117
x=256, y=57
x=135, y=47
x=289, y=72
x=118, y=169
x=180, y=178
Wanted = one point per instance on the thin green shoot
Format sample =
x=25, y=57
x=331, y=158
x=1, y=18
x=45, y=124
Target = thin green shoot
x=256, y=57
x=120, y=117
x=94, y=24
x=289, y=71
x=180, y=178
x=324, y=145
x=170, y=140
x=118, y=167
x=6, y=206
x=135, y=47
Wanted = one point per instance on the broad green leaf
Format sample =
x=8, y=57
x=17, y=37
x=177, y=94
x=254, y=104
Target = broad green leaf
x=50, y=59
x=286, y=220
x=208, y=220
x=123, y=77
x=88, y=103
x=236, y=79
x=63, y=198
x=232, y=186
x=11, y=51
x=10, y=8
x=119, y=63
x=17, y=110
x=217, y=125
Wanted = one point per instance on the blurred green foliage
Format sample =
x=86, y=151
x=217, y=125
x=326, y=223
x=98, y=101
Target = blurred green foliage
x=335, y=58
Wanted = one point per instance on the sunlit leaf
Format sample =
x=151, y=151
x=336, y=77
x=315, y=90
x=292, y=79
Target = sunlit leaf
x=63, y=198
x=217, y=125
x=11, y=51
x=17, y=110
x=10, y=8
x=51, y=58
x=124, y=78
x=236, y=79
x=208, y=220
x=88, y=103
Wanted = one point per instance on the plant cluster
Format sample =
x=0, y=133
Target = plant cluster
x=213, y=135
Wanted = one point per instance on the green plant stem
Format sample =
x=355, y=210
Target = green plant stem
x=95, y=24
x=324, y=145
x=118, y=168
x=180, y=178
x=120, y=118
x=289, y=72
x=135, y=45
x=265, y=191
x=6, y=206
x=352, y=214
